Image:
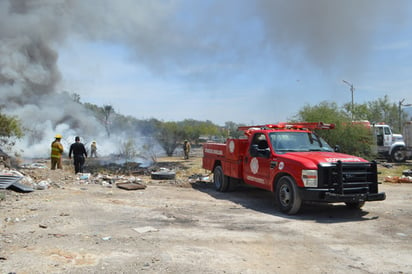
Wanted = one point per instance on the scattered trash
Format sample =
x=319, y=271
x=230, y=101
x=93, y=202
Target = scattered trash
x=130, y=186
x=42, y=226
x=34, y=165
x=145, y=229
x=58, y=235
x=163, y=174
x=387, y=165
x=84, y=176
x=108, y=238
x=407, y=172
x=199, y=178
x=397, y=179
x=42, y=185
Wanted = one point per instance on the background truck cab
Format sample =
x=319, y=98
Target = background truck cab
x=390, y=145
x=294, y=163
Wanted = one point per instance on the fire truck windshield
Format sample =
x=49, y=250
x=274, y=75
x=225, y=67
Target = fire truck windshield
x=296, y=141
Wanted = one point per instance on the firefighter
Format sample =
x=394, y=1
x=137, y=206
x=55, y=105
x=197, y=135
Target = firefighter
x=56, y=153
x=79, y=154
x=93, y=149
x=186, y=148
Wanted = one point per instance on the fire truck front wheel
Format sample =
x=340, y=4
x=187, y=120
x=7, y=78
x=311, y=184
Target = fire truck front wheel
x=287, y=195
x=220, y=180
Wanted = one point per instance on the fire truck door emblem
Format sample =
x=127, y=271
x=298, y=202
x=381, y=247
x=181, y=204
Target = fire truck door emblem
x=281, y=165
x=254, y=165
x=231, y=146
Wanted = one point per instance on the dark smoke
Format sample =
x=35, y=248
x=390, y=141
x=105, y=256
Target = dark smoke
x=328, y=33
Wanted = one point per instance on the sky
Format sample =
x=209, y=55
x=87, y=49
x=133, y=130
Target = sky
x=244, y=61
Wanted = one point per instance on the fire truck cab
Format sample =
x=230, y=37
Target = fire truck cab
x=290, y=160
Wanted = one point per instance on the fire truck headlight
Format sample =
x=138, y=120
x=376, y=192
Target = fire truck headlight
x=310, y=177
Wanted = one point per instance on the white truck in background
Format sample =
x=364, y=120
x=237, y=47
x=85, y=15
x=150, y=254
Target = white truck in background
x=393, y=146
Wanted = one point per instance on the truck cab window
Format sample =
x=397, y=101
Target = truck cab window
x=283, y=142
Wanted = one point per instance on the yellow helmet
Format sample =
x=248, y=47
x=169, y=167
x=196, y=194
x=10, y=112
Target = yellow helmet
x=58, y=136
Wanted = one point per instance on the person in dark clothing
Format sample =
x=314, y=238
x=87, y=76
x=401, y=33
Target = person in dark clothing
x=79, y=154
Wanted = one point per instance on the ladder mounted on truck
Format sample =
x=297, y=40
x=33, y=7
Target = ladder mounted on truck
x=280, y=126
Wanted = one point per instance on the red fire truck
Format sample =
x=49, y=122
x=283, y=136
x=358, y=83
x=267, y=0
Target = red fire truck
x=290, y=160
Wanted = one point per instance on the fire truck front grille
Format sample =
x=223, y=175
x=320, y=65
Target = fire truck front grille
x=348, y=178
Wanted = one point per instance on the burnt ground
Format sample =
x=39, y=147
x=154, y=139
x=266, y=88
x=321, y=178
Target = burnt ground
x=185, y=226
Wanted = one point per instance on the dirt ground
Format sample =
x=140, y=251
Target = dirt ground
x=184, y=226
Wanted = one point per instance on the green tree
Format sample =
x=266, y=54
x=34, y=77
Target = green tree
x=169, y=135
x=10, y=130
x=353, y=139
x=128, y=152
x=379, y=111
x=193, y=129
x=232, y=131
x=76, y=97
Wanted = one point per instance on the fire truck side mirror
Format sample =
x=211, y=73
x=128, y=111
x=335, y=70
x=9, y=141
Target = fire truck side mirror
x=337, y=148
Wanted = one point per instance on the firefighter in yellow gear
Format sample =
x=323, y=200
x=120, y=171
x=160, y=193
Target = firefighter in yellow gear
x=186, y=149
x=56, y=153
x=93, y=149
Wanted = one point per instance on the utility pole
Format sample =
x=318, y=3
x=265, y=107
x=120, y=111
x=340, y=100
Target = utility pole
x=352, y=89
x=400, y=105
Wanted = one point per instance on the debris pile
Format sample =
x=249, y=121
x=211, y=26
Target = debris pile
x=405, y=178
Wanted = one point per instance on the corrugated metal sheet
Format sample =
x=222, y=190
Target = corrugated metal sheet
x=20, y=187
x=12, y=182
x=8, y=180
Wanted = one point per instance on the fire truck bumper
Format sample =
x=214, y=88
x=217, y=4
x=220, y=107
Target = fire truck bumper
x=311, y=195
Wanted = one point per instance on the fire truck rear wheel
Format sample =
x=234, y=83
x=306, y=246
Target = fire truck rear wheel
x=287, y=195
x=221, y=181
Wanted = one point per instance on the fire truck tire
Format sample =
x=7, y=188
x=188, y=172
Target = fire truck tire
x=355, y=205
x=220, y=180
x=287, y=195
x=398, y=155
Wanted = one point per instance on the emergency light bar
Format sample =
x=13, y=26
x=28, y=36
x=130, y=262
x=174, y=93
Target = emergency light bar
x=299, y=125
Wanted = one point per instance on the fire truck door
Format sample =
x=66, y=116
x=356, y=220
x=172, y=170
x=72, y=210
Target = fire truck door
x=257, y=163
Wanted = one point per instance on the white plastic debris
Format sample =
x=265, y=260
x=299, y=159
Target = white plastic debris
x=145, y=229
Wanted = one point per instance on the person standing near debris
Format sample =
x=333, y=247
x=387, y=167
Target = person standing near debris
x=186, y=148
x=93, y=149
x=79, y=154
x=56, y=153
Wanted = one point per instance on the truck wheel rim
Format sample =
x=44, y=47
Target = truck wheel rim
x=285, y=195
x=398, y=155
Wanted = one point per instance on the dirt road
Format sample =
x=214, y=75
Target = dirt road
x=170, y=229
